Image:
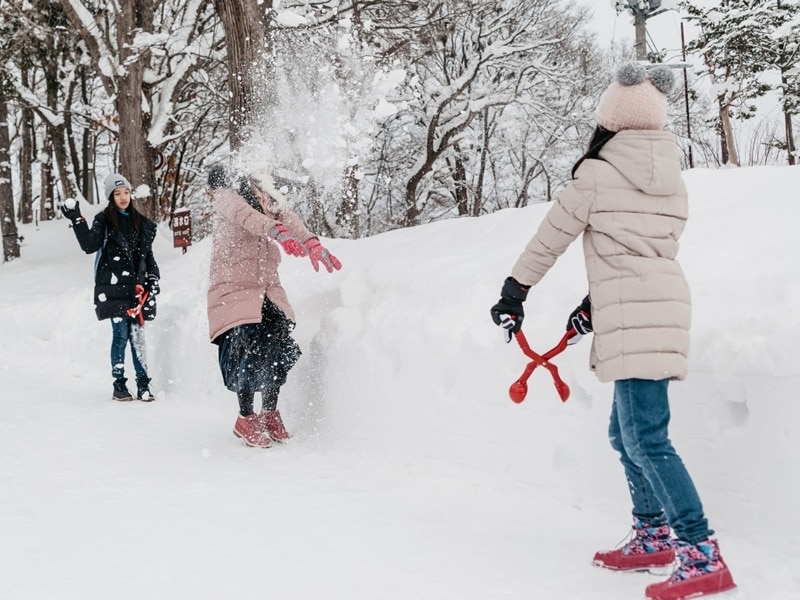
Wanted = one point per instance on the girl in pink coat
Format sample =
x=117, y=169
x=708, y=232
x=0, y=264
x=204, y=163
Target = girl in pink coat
x=249, y=316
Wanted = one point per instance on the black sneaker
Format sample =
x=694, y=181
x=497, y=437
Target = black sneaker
x=121, y=392
x=143, y=390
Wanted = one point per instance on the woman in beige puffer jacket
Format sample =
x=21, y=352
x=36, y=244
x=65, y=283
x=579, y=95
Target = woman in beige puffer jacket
x=631, y=206
x=628, y=199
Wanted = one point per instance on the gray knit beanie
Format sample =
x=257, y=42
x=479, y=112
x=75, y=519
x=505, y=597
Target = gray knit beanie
x=637, y=99
x=114, y=181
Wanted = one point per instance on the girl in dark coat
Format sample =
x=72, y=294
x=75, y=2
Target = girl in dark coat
x=125, y=278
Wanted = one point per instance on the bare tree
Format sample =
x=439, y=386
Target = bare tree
x=8, y=225
x=434, y=147
x=479, y=59
x=122, y=43
x=27, y=143
x=136, y=155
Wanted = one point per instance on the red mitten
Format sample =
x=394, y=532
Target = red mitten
x=290, y=244
x=318, y=254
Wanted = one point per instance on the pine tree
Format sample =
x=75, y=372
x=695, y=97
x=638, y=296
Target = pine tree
x=786, y=23
x=737, y=49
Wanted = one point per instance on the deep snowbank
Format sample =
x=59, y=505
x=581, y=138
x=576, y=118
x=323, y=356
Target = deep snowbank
x=411, y=472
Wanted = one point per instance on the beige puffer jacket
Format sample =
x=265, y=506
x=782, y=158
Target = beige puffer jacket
x=632, y=207
x=244, y=262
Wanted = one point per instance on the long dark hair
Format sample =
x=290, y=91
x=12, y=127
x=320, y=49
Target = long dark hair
x=599, y=138
x=246, y=192
x=112, y=215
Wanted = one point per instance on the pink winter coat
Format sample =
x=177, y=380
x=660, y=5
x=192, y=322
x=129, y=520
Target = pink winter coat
x=631, y=207
x=244, y=262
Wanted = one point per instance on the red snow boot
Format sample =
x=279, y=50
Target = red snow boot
x=248, y=428
x=701, y=572
x=650, y=547
x=272, y=424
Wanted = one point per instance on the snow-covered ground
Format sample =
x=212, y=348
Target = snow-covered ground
x=411, y=474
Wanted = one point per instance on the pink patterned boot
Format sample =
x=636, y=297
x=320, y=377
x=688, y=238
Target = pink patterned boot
x=702, y=572
x=650, y=547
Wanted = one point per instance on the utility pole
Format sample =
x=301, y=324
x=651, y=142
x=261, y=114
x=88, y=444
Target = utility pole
x=641, y=11
x=686, y=99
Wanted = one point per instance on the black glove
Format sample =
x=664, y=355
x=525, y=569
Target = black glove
x=580, y=320
x=71, y=210
x=508, y=312
x=151, y=285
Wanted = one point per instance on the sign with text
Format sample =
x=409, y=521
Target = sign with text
x=181, y=229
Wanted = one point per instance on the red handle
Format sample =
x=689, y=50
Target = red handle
x=519, y=388
x=141, y=296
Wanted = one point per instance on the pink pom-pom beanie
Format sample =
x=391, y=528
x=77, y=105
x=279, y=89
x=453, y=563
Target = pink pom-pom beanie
x=637, y=99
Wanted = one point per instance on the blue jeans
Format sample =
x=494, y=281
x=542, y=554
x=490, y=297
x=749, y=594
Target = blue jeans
x=659, y=484
x=124, y=331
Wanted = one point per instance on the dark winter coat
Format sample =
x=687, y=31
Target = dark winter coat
x=124, y=259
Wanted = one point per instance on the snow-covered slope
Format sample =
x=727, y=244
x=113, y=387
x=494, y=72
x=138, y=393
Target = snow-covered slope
x=411, y=473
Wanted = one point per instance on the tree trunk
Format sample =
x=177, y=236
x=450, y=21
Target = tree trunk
x=477, y=203
x=790, y=149
x=26, y=160
x=459, y=174
x=26, y=154
x=727, y=133
x=87, y=183
x=136, y=157
x=46, y=200
x=60, y=150
x=87, y=149
x=57, y=132
x=787, y=123
x=316, y=221
x=8, y=225
x=347, y=217
x=69, y=137
x=250, y=81
x=412, y=210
